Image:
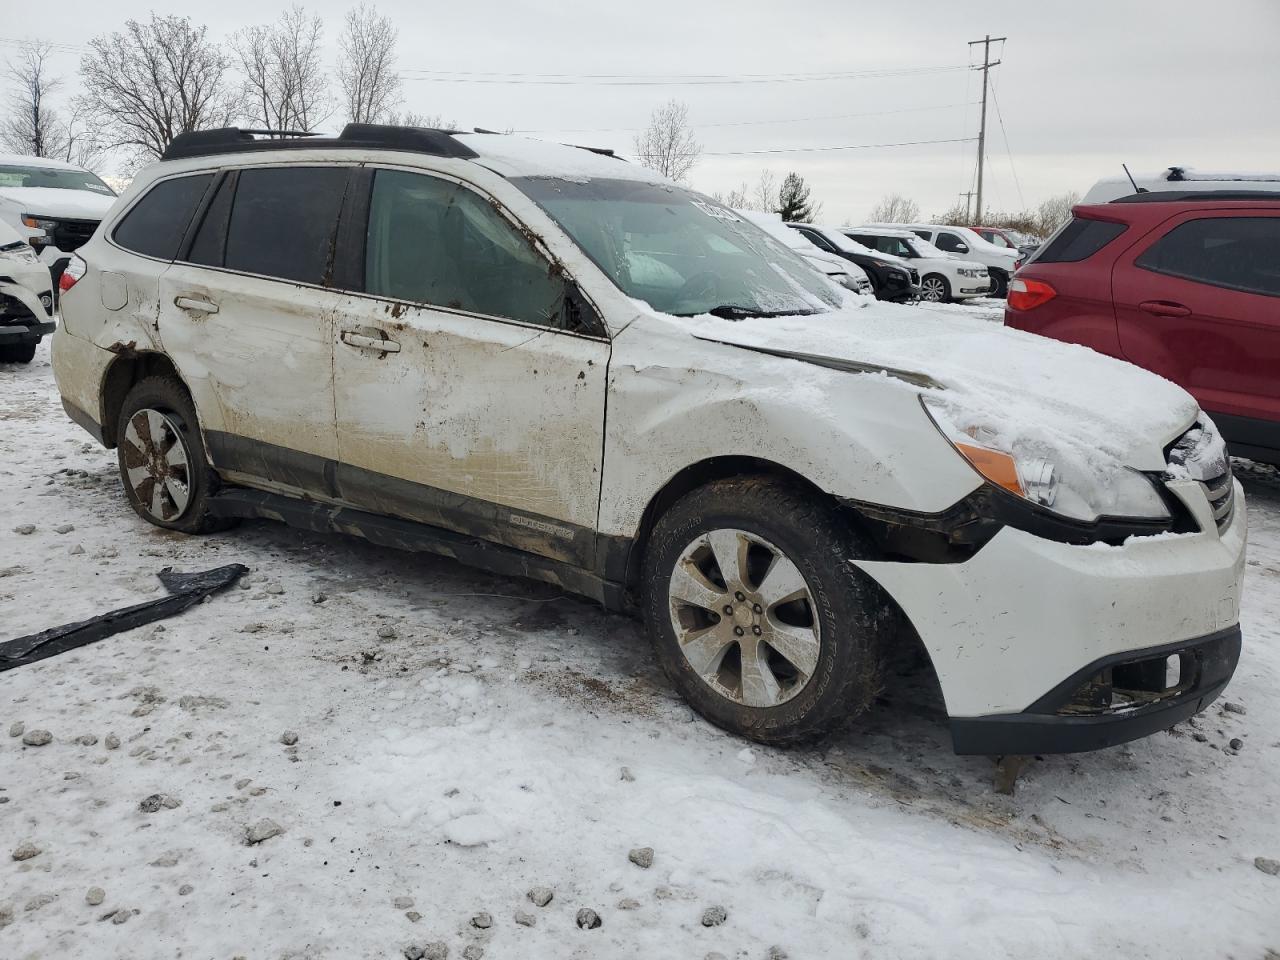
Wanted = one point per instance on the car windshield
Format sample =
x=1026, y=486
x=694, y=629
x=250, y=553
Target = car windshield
x=61, y=178
x=679, y=251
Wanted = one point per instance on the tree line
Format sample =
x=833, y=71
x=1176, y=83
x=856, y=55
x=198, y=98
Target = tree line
x=145, y=84
x=1038, y=222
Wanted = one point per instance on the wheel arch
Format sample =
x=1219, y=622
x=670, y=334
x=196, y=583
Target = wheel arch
x=126, y=371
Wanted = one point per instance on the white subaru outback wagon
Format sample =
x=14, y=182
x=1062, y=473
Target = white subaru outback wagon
x=548, y=362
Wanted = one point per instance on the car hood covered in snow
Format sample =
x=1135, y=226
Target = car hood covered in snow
x=1017, y=391
x=58, y=202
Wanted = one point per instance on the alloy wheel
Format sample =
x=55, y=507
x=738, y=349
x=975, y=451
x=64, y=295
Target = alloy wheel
x=933, y=290
x=157, y=464
x=744, y=618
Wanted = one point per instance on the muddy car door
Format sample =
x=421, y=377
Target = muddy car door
x=469, y=372
x=246, y=315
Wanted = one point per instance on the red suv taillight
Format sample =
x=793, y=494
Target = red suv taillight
x=1029, y=294
x=74, y=271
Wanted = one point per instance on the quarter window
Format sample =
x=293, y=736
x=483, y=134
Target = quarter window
x=283, y=220
x=1078, y=239
x=155, y=225
x=435, y=242
x=1239, y=253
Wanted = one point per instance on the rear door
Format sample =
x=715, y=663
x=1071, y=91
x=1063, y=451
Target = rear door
x=1198, y=302
x=470, y=373
x=246, y=315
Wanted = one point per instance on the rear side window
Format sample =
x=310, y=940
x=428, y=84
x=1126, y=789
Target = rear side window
x=155, y=225
x=211, y=236
x=1078, y=239
x=283, y=221
x=1239, y=253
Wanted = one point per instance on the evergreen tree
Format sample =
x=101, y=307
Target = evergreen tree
x=793, y=200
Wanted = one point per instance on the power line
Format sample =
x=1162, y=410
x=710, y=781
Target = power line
x=751, y=123
x=679, y=80
x=1004, y=133
x=851, y=146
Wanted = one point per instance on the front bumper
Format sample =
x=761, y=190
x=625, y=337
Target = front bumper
x=1025, y=615
x=1062, y=721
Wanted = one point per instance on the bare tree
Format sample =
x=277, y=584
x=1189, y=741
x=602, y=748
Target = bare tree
x=766, y=192
x=286, y=86
x=366, y=65
x=85, y=147
x=411, y=118
x=155, y=80
x=668, y=145
x=895, y=208
x=738, y=198
x=1051, y=213
x=32, y=126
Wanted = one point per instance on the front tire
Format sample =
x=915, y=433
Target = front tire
x=756, y=614
x=166, y=475
x=935, y=289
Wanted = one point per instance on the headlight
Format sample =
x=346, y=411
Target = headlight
x=38, y=223
x=1072, y=486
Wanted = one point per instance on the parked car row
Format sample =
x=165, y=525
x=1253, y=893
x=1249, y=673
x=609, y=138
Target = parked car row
x=547, y=362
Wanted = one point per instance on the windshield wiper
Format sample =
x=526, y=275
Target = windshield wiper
x=732, y=311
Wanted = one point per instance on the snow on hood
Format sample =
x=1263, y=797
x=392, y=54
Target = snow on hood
x=1022, y=392
x=58, y=202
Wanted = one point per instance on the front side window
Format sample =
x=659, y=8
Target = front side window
x=681, y=252
x=154, y=226
x=283, y=221
x=1239, y=253
x=435, y=242
x=950, y=243
x=57, y=178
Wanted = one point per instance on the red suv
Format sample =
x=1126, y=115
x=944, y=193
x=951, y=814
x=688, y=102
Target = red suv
x=1186, y=285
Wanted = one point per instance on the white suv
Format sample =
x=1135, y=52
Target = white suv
x=551, y=363
x=943, y=277
x=968, y=245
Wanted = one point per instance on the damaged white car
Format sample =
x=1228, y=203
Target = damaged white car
x=26, y=299
x=551, y=363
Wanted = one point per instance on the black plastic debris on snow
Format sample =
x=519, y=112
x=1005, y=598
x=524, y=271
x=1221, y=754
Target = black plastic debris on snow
x=185, y=590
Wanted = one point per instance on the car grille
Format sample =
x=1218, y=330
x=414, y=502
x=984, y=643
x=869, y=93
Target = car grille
x=1201, y=455
x=915, y=275
x=71, y=235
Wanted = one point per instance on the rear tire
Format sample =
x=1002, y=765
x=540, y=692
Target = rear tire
x=163, y=466
x=18, y=352
x=781, y=661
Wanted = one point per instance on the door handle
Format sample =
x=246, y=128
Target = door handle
x=1164, y=308
x=195, y=305
x=369, y=343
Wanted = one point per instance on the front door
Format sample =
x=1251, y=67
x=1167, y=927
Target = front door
x=469, y=375
x=246, y=316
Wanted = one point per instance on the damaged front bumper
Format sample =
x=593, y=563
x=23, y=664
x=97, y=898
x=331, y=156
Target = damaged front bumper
x=1043, y=646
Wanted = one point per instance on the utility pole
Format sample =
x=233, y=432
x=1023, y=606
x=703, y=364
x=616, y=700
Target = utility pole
x=968, y=199
x=987, y=64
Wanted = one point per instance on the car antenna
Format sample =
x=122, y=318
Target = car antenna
x=1136, y=188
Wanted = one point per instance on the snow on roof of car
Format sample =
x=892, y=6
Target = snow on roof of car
x=24, y=160
x=1179, y=178
x=514, y=156
x=886, y=231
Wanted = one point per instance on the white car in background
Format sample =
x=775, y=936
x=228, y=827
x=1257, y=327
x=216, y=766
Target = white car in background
x=26, y=298
x=965, y=243
x=942, y=277
x=841, y=271
x=52, y=205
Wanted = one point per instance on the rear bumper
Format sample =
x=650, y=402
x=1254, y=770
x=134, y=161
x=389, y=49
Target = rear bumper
x=1058, y=723
x=17, y=333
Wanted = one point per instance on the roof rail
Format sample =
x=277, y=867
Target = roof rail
x=354, y=136
x=1183, y=196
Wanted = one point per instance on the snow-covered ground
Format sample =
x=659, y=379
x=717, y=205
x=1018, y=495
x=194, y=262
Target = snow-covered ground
x=500, y=737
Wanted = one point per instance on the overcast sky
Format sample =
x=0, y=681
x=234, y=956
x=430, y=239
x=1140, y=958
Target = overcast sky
x=1083, y=85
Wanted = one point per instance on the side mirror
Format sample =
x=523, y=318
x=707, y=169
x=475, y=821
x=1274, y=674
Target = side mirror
x=962, y=248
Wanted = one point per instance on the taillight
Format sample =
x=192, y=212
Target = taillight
x=1028, y=294
x=74, y=271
